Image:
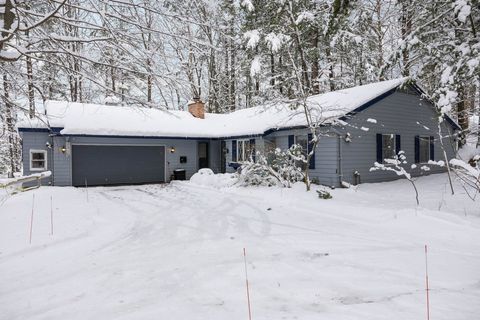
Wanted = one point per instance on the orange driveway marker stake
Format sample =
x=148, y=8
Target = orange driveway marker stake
x=31, y=218
x=426, y=282
x=246, y=281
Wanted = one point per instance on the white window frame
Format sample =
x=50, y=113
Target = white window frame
x=245, y=156
x=45, y=167
x=420, y=138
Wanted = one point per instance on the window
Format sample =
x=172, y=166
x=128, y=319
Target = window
x=38, y=160
x=424, y=149
x=269, y=146
x=388, y=146
x=243, y=150
x=302, y=141
x=269, y=149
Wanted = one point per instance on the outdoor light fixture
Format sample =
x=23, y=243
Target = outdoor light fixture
x=63, y=149
x=172, y=149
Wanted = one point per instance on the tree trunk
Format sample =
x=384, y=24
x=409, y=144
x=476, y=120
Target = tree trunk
x=8, y=18
x=478, y=115
x=280, y=79
x=406, y=29
x=272, y=69
x=331, y=75
x=213, y=84
x=379, y=32
x=462, y=113
x=303, y=62
x=31, y=92
x=315, y=65
x=232, y=74
x=226, y=84
x=112, y=78
x=149, y=80
x=10, y=126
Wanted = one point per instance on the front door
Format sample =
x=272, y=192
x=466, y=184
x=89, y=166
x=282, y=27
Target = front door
x=202, y=155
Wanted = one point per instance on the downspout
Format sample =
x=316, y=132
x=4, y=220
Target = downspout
x=52, y=153
x=52, y=148
x=340, y=171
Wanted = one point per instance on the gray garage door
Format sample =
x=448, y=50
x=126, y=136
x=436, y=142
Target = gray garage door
x=110, y=165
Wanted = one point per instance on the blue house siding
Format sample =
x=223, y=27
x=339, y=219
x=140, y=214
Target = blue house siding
x=215, y=155
x=61, y=163
x=36, y=141
x=400, y=113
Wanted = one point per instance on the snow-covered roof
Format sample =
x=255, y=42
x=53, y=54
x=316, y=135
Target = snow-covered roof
x=107, y=120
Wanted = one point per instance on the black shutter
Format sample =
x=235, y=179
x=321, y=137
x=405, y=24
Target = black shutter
x=291, y=140
x=432, y=148
x=417, y=149
x=252, y=149
x=398, y=144
x=234, y=150
x=379, y=148
x=311, y=164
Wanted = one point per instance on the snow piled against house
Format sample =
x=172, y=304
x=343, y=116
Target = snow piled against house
x=94, y=119
x=206, y=177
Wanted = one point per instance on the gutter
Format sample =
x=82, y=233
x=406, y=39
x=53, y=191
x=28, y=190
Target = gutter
x=340, y=170
x=56, y=131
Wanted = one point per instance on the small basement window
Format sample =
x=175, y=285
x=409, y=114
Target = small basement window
x=424, y=149
x=388, y=146
x=38, y=160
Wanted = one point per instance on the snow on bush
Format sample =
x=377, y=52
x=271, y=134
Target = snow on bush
x=206, y=177
x=468, y=152
x=259, y=174
x=467, y=167
x=278, y=168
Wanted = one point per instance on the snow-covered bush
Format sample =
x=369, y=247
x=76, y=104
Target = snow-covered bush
x=289, y=164
x=259, y=173
x=467, y=167
x=278, y=168
x=324, y=194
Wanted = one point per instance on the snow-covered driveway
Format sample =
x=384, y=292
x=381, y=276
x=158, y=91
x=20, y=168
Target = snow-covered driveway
x=175, y=252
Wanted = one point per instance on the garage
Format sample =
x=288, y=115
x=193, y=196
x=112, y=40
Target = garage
x=97, y=165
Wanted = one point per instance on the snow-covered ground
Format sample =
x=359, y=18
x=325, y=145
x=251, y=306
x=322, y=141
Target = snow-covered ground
x=175, y=252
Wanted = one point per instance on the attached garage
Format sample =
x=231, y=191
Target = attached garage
x=113, y=165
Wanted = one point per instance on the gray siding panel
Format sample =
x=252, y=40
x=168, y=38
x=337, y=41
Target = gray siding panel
x=215, y=155
x=326, y=162
x=400, y=113
x=62, y=164
x=36, y=141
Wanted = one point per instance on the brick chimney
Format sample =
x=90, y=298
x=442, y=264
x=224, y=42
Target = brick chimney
x=197, y=108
